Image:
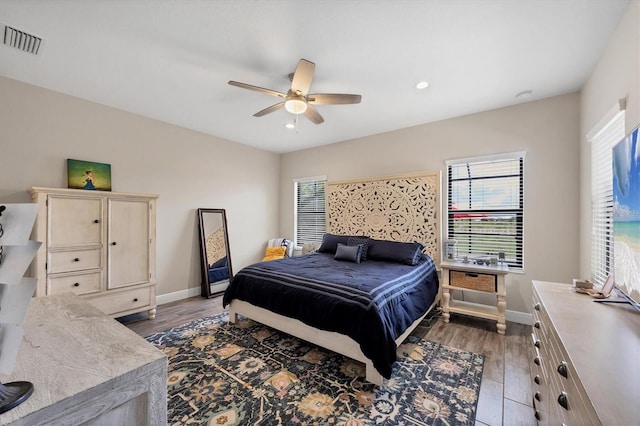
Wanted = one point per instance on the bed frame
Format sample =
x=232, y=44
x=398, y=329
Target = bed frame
x=339, y=343
x=398, y=208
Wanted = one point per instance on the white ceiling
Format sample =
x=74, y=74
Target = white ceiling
x=171, y=60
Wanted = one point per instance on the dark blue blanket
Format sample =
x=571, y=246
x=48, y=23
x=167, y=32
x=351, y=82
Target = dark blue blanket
x=372, y=302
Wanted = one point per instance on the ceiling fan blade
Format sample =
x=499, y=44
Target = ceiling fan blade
x=333, y=98
x=257, y=89
x=302, y=77
x=269, y=110
x=312, y=114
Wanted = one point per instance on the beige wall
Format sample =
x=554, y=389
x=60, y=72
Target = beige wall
x=616, y=76
x=40, y=129
x=547, y=130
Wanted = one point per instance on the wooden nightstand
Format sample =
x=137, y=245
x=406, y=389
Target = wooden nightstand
x=469, y=277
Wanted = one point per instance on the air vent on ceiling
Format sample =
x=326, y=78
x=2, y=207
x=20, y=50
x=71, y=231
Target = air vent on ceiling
x=21, y=40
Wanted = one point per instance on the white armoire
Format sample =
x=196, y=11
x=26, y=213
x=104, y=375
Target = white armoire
x=97, y=244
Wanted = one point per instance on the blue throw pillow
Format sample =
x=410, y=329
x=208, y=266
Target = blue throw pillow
x=219, y=263
x=330, y=242
x=395, y=251
x=364, y=241
x=348, y=253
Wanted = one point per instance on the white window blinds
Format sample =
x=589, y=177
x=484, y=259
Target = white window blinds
x=309, y=215
x=485, y=206
x=602, y=141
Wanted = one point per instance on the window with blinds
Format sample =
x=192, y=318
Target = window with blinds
x=602, y=143
x=309, y=215
x=485, y=206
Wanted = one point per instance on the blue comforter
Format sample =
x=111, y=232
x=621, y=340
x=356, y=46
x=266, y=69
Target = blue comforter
x=372, y=302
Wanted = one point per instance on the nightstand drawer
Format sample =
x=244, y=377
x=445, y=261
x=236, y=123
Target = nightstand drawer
x=473, y=281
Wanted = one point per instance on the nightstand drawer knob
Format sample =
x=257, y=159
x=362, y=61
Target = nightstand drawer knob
x=563, y=400
x=113, y=243
x=537, y=379
x=538, y=397
x=77, y=259
x=96, y=221
x=536, y=360
x=536, y=306
x=563, y=370
x=538, y=417
x=76, y=284
x=135, y=300
x=537, y=324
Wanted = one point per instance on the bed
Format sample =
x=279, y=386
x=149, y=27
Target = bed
x=398, y=209
x=218, y=270
x=360, y=309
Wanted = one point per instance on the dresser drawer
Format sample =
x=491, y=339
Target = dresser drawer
x=74, y=260
x=78, y=283
x=473, y=281
x=122, y=301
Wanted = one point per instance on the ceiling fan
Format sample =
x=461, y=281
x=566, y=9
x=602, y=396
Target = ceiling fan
x=297, y=100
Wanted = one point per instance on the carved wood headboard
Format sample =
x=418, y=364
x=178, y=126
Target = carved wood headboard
x=397, y=208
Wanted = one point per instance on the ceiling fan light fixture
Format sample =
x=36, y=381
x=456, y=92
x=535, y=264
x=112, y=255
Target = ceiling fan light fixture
x=295, y=106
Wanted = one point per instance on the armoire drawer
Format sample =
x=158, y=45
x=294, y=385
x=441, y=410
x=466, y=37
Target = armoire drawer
x=74, y=260
x=113, y=302
x=77, y=283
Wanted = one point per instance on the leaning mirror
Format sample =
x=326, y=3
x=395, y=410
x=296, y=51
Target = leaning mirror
x=215, y=256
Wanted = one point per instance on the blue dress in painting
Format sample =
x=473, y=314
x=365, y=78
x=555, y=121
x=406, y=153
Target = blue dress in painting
x=88, y=184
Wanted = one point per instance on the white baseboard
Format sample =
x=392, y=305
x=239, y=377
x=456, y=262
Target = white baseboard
x=519, y=317
x=177, y=295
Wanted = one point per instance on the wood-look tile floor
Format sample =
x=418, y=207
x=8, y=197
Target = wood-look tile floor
x=505, y=392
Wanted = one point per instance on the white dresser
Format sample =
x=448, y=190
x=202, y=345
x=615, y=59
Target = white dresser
x=585, y=359
x=86, y=368
x=100, y=245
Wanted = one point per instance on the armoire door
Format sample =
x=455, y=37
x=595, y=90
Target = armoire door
x=74, y=221
x=128, y=243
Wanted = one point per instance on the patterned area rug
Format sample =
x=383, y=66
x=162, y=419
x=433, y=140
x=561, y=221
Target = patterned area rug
x=248, y=373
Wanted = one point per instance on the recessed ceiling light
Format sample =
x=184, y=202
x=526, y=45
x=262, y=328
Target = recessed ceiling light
x=290, y=126
x=422, y=85
x=524, y=94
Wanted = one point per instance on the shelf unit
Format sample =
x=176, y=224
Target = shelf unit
x=472, y=278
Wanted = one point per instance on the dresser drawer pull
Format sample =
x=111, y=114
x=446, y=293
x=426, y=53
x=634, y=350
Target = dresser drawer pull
x=96, y=221
x=562, y=369
x=536, y=360
x=77, y=259
x=536, y=306
x=76, y=284
x=563, y=400
x=538, y=417
x=537, y=396
x=537, y=380
x=536, y=342
x=135, y=300
x=537, y=324
x=113, y=243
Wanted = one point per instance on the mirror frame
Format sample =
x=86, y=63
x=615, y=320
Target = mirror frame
x=204, y=265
